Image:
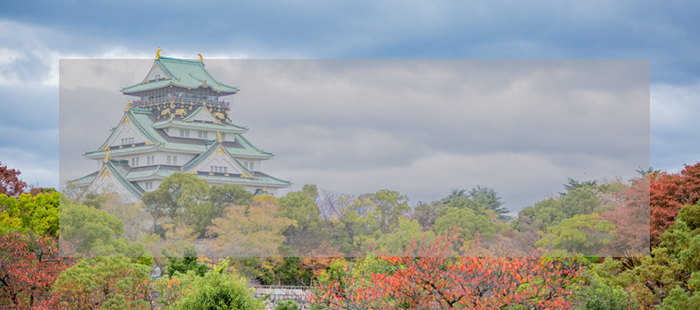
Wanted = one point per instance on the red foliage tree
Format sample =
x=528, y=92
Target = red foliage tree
x=631, y=220
x=29, y=265
x=425, y=280
x=10, y=183
x=669, y=192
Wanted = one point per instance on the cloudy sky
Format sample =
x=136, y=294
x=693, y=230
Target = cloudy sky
x=35, y=35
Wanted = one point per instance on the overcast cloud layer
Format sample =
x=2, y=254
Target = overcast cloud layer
x=421, y=127
x=35, y=34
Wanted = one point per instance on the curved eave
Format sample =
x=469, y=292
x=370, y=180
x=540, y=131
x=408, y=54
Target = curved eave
x=135, y=90
x=222, y=127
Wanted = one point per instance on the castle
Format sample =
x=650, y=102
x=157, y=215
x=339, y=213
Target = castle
x=176, y=120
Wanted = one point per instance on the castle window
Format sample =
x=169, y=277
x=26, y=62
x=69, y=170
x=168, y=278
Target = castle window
x=174, y=160
x=251, y=166
x=223, y=136
x=182, y=132
x=169, y=159
x=205, y=135
x=199, y=133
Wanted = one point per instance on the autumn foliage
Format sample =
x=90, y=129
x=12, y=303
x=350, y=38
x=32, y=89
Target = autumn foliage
x=669, y=192
x=29, y=266
x=421, y=280
x=10, y=184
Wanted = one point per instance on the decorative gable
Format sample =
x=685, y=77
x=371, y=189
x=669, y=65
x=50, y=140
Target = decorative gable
x=125, y=134
x=201, y=114
x=219, y=161
x=107, y=182
x=155, y=74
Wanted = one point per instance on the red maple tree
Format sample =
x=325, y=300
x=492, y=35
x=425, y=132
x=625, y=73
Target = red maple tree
x=10, y=184
x=29, y=265
x=427, y=278
x=631, y=220
x=669, y=192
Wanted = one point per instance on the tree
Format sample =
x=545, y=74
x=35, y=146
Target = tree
x=467, y=223
x=254, y=230
x=176, y=196
x=584, y=235
x=669, y=192
x=220, y=197
x=426, y=214
x=95, y=232
x=425, y=278
x=309, y=231
x=38, y=214
x=29, y=266
x=573, y=185
x=107, y=283
x=631, y=219
x=487, y=198
x=186, y=264
x=389, y=205
x=217, y=289
x=544, y=214
x=10, y=184
x=579, y=201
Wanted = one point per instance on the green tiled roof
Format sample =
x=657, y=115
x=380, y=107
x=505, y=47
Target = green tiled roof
x=217, y=127
x=119, y=169
x=250, y=147
x=84, y=181
x=143, y=120
x=182, y=73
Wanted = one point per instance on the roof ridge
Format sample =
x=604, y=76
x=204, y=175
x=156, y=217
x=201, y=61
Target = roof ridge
x=133, y=189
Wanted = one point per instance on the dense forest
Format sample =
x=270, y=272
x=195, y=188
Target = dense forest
x=598, y=244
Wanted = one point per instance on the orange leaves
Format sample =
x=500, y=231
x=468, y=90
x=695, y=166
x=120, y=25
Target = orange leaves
x=441, y=282
x=29, y=265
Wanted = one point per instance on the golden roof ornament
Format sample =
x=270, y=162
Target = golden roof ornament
x=128, y=106
x=218, y=137
x=108, y=156
x=200, y=58
x=158, y=53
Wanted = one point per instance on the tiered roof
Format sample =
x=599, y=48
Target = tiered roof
x=169, y=72
x=182, y=73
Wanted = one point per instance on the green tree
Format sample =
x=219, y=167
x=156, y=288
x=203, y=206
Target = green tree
x=544, y=214
x=395, y=242
x=107, y=283
x=579, y=201
x=217, y=289
x=487, y=198
x=582, y=234
x=38, y=214
x=91, y=231
x=309, y=231
x=176, y=196
x=254, y=230
x=287, y=305
x=185, y=264
x=467, y=223
x=389, y=206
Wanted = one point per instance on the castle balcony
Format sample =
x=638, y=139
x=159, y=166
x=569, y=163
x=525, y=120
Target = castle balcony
x=152, y=102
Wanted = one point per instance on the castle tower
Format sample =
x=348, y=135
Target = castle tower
x=177, y=121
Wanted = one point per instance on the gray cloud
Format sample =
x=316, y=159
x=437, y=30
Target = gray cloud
x=418, y=126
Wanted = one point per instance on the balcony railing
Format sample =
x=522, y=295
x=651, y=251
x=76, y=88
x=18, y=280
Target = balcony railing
x=149, y=103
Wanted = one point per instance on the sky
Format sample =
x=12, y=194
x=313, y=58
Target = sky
x=34, y=35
